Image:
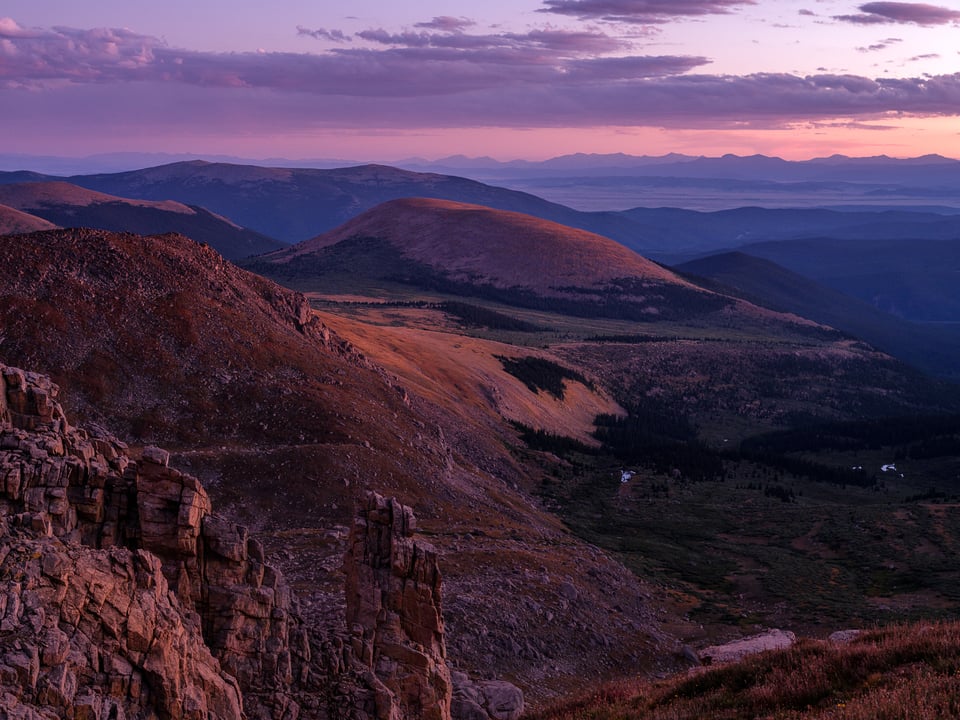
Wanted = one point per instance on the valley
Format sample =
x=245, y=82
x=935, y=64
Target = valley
x=614, y=459
x=736, y=538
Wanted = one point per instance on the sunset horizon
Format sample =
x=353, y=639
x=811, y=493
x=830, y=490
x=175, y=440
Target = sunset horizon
x=535, y=80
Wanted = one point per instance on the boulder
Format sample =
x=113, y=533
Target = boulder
x=733, y=651
x=485, y=699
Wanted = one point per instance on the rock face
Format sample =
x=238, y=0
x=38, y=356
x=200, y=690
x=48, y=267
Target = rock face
x=494, y=699
x=89, y=621
x=150, y=603
x=394, y=613
x=99, y=633
x=123, y=596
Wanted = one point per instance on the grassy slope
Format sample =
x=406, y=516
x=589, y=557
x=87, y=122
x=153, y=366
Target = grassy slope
x=68, y=205
x=901, y=672
x=932, y=348
x=16, y=221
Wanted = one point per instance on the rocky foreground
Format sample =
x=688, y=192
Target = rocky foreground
x=123, y=595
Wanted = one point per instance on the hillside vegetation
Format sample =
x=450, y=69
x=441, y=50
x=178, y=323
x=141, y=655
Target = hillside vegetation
x=910, y=671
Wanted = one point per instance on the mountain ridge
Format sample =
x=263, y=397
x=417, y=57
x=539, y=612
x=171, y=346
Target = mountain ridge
x=286, y=422
x=66, y=204
x=764, y=282
x=13, y=221
x=503, y=247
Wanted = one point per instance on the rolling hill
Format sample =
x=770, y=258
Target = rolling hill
x=482, y=252
x=69, y=205
x=159, y=339
x=933, y=348
x=294, y=204
x=489, y=246
x=708, y=346
x=16, y=221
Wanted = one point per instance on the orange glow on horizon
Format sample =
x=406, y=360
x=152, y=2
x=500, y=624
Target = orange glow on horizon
x=909, y=137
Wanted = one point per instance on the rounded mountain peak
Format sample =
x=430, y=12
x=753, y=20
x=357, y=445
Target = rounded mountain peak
x=506, y=249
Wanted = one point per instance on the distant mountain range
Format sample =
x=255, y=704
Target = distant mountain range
x=294, y=204
x=618, y=181
x=753, y=167
x=594, y=182
x=729, y=165
x=903, y=262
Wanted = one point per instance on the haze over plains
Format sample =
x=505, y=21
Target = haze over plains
x=373, y=80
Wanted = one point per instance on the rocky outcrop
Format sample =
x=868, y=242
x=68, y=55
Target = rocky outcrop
x=394, y=612
x=122, y=595
x=176, y=604
x=99, y=634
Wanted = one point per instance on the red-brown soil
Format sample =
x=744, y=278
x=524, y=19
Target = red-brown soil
x=16, y=221
x=506, y=249
x=160, y=339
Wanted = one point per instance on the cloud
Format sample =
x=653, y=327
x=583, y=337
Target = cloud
x=543, y=78
x=882, y=45
x=877, y=13
x=445, y=23
x=324, y=34
x=808, y=13
x=28, y=55
x=407, y=64
x=532, y=44
x=640, y=11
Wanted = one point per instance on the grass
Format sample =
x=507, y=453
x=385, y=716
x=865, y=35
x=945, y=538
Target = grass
x=754, y=543
x=762, y=546
x=899, y=673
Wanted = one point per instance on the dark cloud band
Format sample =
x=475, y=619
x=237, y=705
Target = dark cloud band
x=640, y=11
x=543, y=78
x=879, y=13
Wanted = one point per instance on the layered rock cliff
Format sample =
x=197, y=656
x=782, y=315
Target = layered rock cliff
x=122, y=595
x=394, y=612
x=92, y=621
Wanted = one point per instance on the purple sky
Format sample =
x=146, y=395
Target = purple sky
x=372, y=79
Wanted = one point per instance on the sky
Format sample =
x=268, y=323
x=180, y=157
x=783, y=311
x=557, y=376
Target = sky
x=386, y=80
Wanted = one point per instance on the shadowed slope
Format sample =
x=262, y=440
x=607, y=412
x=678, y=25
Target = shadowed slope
x=167, y=339
x=72, y=206
x=16, y=221
x=932, y=348
x=470, y=250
